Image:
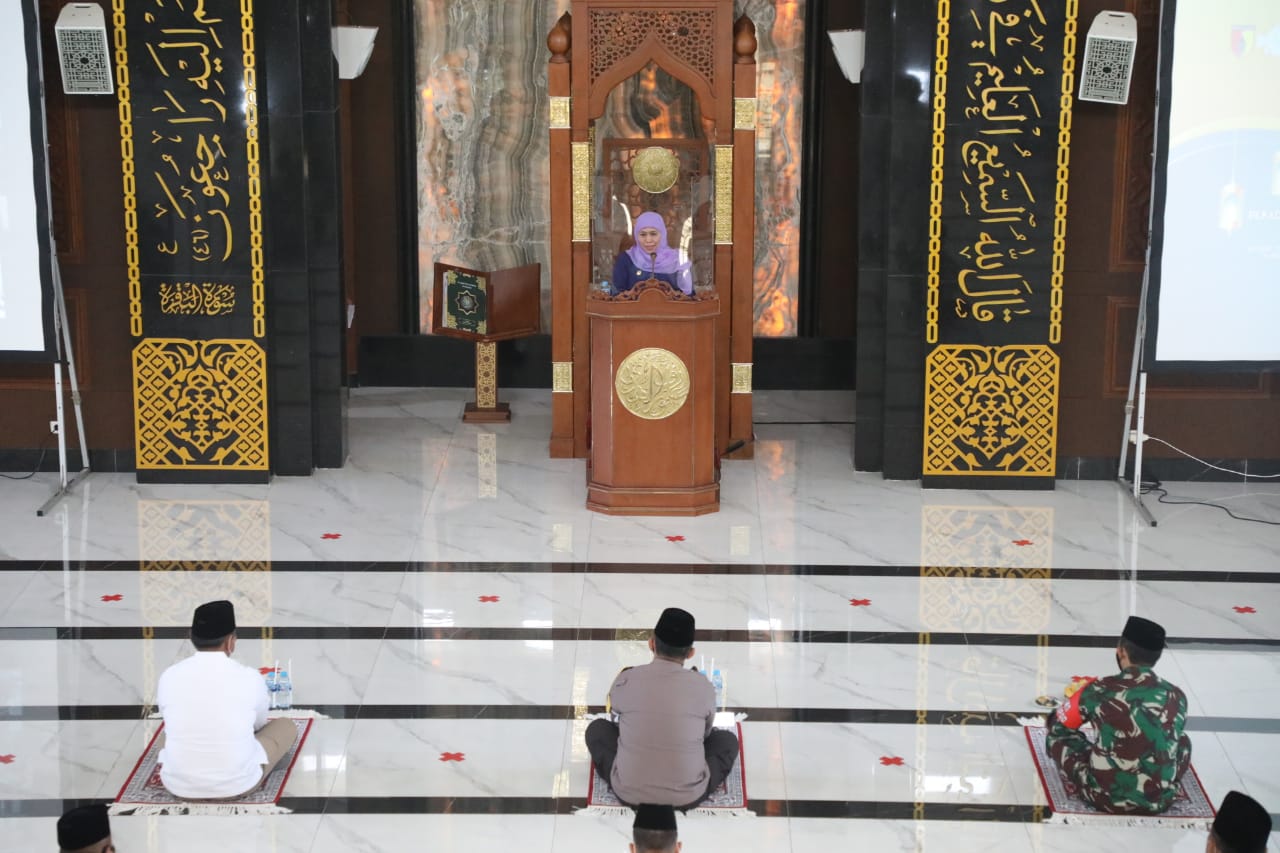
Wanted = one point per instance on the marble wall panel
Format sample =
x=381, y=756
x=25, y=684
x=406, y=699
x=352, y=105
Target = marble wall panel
x=482, y=143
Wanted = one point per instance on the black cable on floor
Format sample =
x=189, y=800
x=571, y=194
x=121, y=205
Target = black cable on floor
x=1163, y=496
x=40, y=461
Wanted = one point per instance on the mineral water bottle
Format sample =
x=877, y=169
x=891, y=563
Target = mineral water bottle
x=284, y=691
x=717, y=681
x=273, y=689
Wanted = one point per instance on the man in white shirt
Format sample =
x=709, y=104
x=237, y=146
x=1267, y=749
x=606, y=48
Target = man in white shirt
x=217, y=743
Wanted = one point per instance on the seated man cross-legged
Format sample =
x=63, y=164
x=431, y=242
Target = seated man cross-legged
x=663, y=750
x=217, y=743
x=1136, y=760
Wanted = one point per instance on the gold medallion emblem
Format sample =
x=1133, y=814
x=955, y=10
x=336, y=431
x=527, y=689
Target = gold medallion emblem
x=655, y=170
x=652, y=383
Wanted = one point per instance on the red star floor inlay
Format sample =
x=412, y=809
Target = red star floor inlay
x=891, y=761
x=453, y=756
x=675, y=538
x=489, y=599
x=7, y=759
x=116, y=597
x=266, y=670
x=331, y=536
x=1244, y=610
x=859, y=602
x=1022, y=543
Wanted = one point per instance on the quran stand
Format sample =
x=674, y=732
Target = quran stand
x=486, y=409
x=486, y=307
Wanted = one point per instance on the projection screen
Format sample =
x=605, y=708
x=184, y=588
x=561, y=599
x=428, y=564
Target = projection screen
x=26, y=280
x=1214, y=296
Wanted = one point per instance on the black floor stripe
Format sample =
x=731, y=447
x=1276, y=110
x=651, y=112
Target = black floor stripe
x=571, y=634
x=935, y=717
x=992, y=572
x=850, y=809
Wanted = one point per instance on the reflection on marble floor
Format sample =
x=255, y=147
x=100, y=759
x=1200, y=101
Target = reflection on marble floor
x=856, y=620
x=420, y=485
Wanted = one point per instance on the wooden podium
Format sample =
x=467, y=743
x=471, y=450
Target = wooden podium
x=653, y=356
x=486, y=308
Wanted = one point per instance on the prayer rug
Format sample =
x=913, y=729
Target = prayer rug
x=144, y=794
x=1191, y=809
x=729, y=800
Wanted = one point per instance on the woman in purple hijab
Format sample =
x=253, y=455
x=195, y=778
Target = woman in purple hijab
x=651, y=257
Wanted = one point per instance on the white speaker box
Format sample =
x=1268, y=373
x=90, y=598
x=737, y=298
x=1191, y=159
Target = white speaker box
x=83, y=54
x=1108, y=58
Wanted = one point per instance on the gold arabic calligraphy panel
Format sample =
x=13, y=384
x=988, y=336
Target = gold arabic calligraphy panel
x=192, y=188
x=1001, y=142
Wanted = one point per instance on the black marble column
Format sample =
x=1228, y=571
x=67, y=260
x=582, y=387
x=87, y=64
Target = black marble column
x=893, y=236
x=303, y=220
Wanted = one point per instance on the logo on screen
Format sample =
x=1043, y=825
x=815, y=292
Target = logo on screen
x=1243, y=38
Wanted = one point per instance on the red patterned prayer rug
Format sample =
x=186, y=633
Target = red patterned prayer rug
x=1192, y=808
x=143, y=793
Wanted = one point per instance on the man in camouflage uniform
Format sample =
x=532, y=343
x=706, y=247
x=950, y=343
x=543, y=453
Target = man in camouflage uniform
x=1139, y=753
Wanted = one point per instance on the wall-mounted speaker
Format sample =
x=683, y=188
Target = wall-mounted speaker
x=83, y=55
x=1108, y=58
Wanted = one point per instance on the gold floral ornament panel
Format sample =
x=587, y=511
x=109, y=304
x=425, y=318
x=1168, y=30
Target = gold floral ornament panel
x=655, y=170
x=581, y=166
x=991, y=410
x=559, y=113
x=200, y=404
x=562, y=377
x=652, y=383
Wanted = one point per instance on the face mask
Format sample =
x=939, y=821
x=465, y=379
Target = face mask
x=1119, y=665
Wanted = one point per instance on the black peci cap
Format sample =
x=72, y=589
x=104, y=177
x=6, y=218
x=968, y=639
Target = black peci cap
x=83, y=826
x=656, y=818
x=1144, y=633
x=213, y=620
x=1243, y=823
x=675, y=628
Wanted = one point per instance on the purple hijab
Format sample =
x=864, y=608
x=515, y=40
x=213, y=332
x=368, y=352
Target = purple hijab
x=668, y=259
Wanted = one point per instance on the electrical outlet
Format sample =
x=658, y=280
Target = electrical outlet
x=53, y=427
x=1133, y=436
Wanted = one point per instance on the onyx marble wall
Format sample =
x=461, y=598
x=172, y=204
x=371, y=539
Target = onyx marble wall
x=483, y=130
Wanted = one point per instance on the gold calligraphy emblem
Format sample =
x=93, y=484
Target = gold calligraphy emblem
x=655, y=170
x=652, y=383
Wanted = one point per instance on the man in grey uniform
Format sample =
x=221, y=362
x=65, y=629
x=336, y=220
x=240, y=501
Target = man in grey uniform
x=663, y=749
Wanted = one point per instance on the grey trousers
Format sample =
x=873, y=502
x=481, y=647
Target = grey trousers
x=721, y=748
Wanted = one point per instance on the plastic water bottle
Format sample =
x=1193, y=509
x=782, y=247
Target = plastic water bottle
x=273, y=690
x=284, y=691
x=717, y=681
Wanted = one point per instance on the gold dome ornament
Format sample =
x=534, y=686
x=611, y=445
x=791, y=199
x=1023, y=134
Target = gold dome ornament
x=652, y=383
x=655, y=169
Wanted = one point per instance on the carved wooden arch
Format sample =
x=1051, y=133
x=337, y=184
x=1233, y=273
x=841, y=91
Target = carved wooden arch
x=650, y=51
x=714, y=91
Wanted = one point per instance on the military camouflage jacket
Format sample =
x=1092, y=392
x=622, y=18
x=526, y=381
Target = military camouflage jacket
x=1139, y=747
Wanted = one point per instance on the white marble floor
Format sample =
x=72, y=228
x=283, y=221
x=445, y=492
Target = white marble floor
x=432, y=600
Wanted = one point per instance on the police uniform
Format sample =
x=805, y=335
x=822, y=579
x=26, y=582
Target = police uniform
x=663, y=749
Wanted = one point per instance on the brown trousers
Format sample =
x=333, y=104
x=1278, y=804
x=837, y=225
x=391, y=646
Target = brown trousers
x=276, y=737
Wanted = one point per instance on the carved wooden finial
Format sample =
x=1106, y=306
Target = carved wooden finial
x=744, y=41
x=559, y=40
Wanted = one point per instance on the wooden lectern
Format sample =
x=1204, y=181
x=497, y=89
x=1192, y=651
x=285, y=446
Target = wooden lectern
x=653, y=355
x=486, y=308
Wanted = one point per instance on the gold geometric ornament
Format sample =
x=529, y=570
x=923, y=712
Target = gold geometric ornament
x=991, y=410
x=200, y=404
x=562, y=377
x=652, y=383
x=655, y=170
x=742, y=378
